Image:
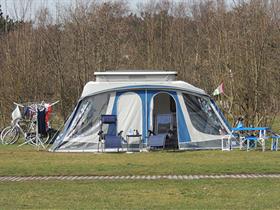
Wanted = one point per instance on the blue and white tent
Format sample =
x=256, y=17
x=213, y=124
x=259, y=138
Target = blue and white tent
x=136, y=98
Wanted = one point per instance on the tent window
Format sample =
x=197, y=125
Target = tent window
x=87, y=118
x=202, y=114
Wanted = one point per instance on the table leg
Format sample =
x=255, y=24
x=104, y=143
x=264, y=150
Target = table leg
x=127, y=138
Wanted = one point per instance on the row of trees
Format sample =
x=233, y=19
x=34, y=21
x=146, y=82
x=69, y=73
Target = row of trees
x=207, y=42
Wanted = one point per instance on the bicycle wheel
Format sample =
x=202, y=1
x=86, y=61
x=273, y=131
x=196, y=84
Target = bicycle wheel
x=11, y=136
x=5, y=130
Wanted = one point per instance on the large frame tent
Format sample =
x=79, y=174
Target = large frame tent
x=136, y=98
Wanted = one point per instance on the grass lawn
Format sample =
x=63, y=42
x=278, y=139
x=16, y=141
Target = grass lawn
x=140, y=194
x=160, y=194
x=26, y=161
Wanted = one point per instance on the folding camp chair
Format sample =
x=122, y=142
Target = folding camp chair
x=163, y=128
x=274, y=141
x=112, y=139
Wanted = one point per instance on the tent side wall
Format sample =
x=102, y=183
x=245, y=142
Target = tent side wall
x=86, y=139
x=81, y=130
x=204, y=124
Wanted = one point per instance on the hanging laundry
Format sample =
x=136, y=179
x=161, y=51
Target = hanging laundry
x=48, y=115
x=41, y=120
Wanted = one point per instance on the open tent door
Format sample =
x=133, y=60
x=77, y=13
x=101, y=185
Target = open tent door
x=129, y=113
x=165, y=118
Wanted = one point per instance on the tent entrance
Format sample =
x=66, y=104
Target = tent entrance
x=165, y=118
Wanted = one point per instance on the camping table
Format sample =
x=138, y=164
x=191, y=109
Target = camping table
x=258, y=139
x=138, y=138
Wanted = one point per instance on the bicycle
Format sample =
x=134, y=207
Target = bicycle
x=26, y=127
x=11, y=134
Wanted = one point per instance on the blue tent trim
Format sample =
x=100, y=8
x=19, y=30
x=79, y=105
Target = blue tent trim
x=146, y=98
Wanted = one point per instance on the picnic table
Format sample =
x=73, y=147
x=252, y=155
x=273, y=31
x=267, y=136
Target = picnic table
x=260, y=138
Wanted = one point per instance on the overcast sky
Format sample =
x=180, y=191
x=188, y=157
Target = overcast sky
x=15, y=8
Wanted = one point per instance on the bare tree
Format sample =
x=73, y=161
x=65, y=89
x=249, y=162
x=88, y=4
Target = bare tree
x=53, y=55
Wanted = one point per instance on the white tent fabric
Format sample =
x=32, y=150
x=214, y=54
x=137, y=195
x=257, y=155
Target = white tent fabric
x=196, y=135
x=111, y=103
x=135, y=76
x=198, y=122
x=129, y=113
x=92, y=88
x=92, y=126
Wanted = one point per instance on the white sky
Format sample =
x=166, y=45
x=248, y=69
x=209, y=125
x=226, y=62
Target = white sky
x=26, y=9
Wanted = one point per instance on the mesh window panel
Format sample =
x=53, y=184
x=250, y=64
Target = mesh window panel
x=202, y=114
x=87, y=119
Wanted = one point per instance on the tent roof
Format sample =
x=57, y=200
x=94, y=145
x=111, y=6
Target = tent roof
x=142, y=72
x=135, y=76
x=92, y=88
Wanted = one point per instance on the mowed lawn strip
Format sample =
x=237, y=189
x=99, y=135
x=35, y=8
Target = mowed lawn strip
x=26, y=161
x=161, y=194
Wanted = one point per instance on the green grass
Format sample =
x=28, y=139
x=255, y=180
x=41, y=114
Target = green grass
x=196, y=194
x=26, y=160
x=259, y=193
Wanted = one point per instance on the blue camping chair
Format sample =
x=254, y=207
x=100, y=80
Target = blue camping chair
x=163, y=128
x=112, y=139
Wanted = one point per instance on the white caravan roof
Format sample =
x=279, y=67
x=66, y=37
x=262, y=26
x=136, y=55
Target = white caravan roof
x=110, y=81
x=135, y=76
